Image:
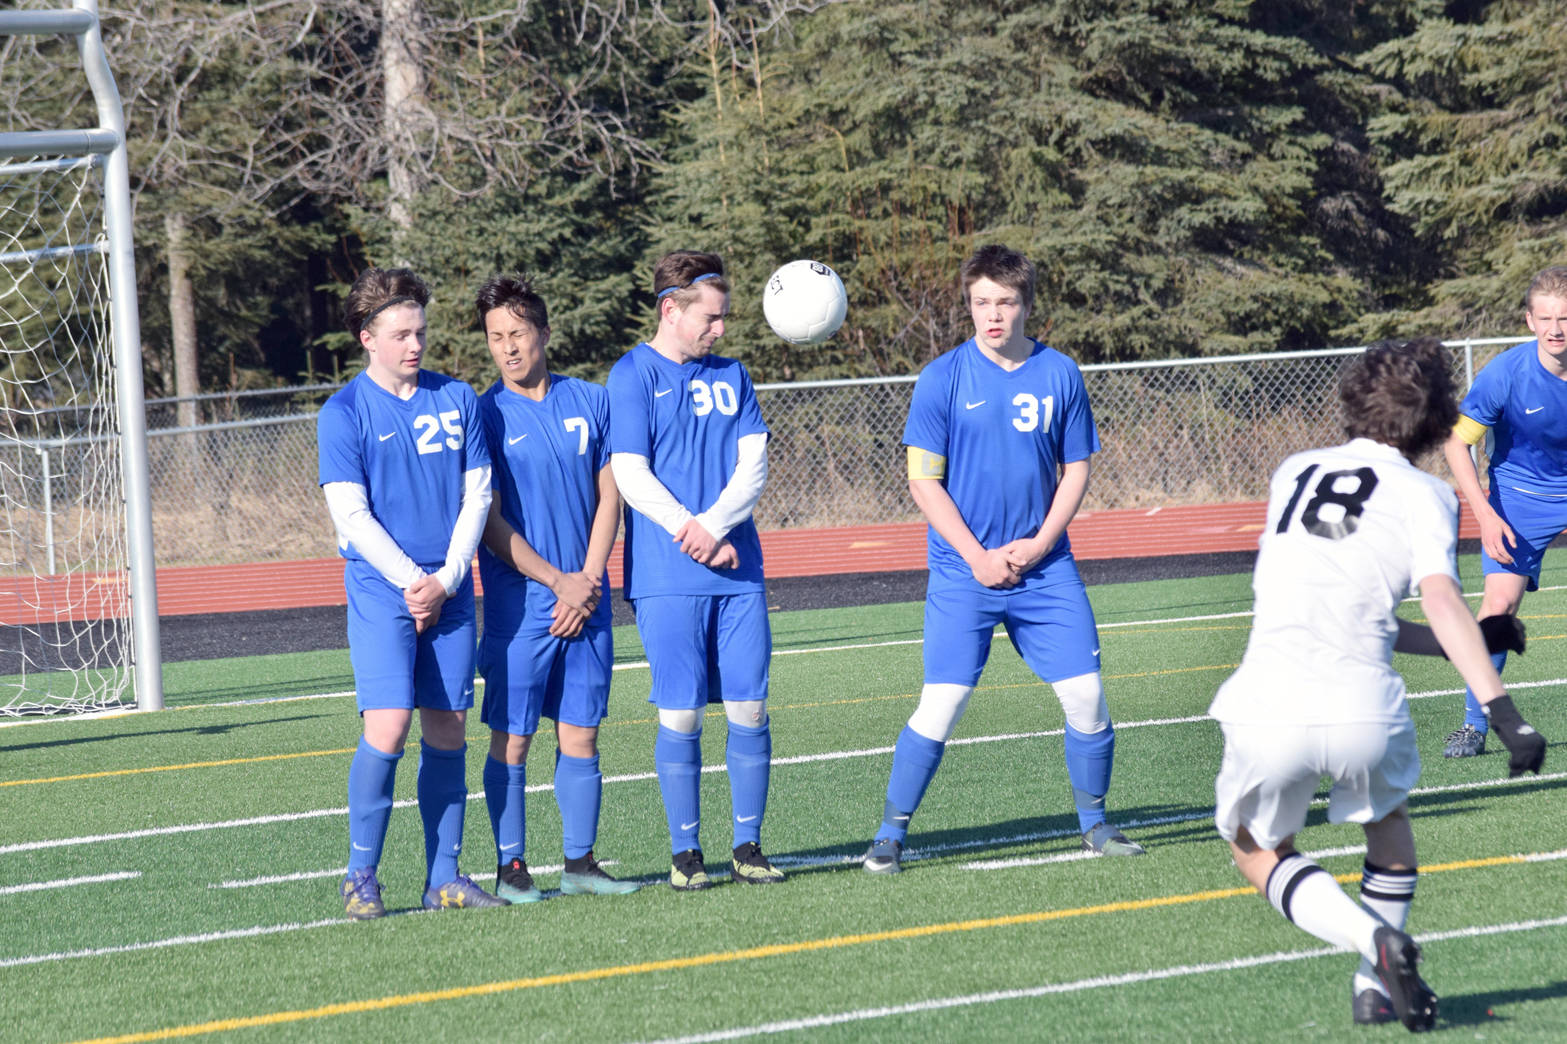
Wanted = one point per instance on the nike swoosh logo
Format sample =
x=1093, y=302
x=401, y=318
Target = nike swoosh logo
x=661, y=394
x=513, y=442
x=744, y=819
x=688, y=826
x=1537, y=409
x=972, y=405
x=389, y=435
x=900, y=819
x=359, y=848
x=1094, y=653
x=514, y=844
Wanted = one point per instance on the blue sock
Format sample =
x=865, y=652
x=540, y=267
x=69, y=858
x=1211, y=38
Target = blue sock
x=370, y=778
x=506, y=796
x=914, y=762
x=1473, y=715
x=579, y=787
x=677, y=757
x=1088, y=760
x=443, y=801
x=749, y=754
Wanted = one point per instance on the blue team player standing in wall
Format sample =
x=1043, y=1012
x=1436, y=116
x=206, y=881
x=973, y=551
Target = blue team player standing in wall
x=406, y=476
x=689, y=453
x=548, y=647
x=999, y=437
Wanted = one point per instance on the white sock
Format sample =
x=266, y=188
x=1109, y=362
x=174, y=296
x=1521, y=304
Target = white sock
x=1306, y=894
x=1387, y=894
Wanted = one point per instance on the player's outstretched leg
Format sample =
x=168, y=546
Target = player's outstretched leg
x=579, y=792
x=443, y=802
x=371, y=775
x=915, y=759
x=677, y=758
x=506, y=795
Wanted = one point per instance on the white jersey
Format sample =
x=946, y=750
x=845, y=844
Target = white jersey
x=1351, y=532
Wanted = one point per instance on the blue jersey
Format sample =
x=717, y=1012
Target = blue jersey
x=409, y=454
x=1525, y=406
x=547, y=458
x=1005, y=435
x=687, y=420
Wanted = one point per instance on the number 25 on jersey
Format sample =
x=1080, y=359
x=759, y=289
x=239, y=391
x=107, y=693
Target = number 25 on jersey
x=429, y=428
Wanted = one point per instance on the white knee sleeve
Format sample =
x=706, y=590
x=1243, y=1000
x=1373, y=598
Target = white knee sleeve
x=680, y=720
x=750, y=713
x=1083, y=701
x=941, y=705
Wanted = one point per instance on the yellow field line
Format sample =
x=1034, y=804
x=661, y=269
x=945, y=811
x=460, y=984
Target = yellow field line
x=175, y=768
x=108, y=773
x=702, y=960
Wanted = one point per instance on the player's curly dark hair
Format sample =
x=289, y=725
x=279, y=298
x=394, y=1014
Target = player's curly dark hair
x=516, y=295
x=678, y=271
x=1400, y=394
x=1548, y=282
x=378, y=289
x=1002, y=265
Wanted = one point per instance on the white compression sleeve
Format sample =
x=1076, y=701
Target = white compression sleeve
x=641, y=489
x=941, y=705
x=349, y=506
x=740, y=494
x=1083, y=701
x=468, y=529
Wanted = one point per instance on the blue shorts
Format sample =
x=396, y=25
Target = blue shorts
x=397, y=668
x=535, y=673
x=705, y=648
x=1049, y=621
x=1535, y=521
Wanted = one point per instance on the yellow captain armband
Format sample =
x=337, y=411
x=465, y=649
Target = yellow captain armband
x=1469, y=429
x=923, y=464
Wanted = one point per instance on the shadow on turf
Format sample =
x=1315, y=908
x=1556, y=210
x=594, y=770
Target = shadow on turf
x=198, y=730
x=1475, y=1009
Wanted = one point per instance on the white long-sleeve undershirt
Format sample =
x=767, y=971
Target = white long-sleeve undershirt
x=349, y=505
x=642, y=490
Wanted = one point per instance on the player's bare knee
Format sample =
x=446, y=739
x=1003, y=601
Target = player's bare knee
x=941, y=706
x=750, y=713
x=687, y=721
x=509, y=749
x=576, y=741
x=1083, y=701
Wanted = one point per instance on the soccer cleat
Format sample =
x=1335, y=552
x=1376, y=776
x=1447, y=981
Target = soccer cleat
x=1397, y=959
x=1105, y=839
x=1372, y=1008
x=750, y=866
x=885, y=856
x=590, y=879
x=514, y=884
x=1466, y=742
x=361, y=894
x=687, y=874
x=460, y=893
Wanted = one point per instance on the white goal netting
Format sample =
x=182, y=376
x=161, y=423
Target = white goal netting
x=65, y=627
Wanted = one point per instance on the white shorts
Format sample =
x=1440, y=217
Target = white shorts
x=1270, y=774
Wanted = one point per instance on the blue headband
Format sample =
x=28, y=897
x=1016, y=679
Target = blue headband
x=671, y=289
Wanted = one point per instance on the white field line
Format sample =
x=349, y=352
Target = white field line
x=177, y=940
x=285, y=817
x=68, y=882
x=1186, y=817
x=643, y=665
x=311, y=875
x=1080, y=985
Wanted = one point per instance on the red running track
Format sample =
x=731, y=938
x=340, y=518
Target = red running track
x=187, y=590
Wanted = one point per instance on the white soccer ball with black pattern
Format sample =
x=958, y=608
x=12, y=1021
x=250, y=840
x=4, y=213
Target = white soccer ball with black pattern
x=804, y=302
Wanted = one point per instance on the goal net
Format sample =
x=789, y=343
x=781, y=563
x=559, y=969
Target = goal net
x=78, y=623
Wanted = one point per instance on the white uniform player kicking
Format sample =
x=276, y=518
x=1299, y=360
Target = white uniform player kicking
x=1351, y=531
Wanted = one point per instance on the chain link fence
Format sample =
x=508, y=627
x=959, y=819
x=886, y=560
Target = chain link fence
x=239, y=484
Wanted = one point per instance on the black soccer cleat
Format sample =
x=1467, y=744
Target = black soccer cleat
x=686, y=872
x=1372, y=1008
x=1398, y=957
x=885, y=856
x=750, y=866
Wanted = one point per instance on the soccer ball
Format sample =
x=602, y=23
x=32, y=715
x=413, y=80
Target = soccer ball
x=804, y=302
